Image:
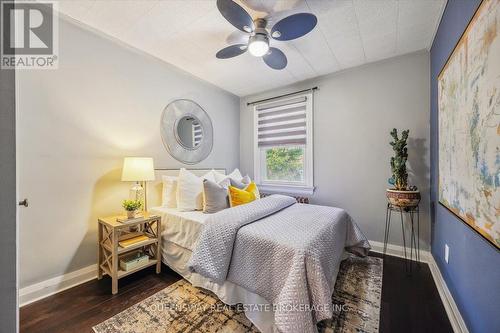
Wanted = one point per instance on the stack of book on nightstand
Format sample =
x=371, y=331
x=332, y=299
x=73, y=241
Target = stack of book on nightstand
x=124, y=243
x=126, y=220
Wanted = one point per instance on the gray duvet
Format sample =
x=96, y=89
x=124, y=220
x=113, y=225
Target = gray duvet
x=286, y=252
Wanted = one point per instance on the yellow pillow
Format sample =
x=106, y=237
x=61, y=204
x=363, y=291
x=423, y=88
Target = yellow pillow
x=252, y=187
x=240, y=197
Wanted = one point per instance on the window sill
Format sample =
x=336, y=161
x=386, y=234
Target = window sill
x=286, y=189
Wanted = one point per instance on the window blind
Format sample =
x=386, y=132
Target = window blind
x=197, y=133
x=282, y=123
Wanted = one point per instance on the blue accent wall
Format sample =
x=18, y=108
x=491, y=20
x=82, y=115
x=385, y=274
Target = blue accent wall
x=473, y=271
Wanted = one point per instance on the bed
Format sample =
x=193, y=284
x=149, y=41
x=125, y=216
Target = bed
x=267, y=255
x=180, y=232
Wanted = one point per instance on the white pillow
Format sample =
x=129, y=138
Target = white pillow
x=218, y=176
x=236, y=175
x=211, y=175
x=189, y=191
x=169, y=192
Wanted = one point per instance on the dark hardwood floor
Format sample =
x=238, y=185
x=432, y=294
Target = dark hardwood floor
x=409, y=303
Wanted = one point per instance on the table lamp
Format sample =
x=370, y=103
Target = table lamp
x=138, y=170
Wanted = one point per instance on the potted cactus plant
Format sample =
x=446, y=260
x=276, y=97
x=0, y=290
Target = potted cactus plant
x=401, y=194
x=132, y=207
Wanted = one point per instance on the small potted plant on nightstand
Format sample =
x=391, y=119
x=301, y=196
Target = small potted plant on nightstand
x=132, y=207
x=401, y=195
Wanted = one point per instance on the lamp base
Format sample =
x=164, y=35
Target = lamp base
x=136, y=192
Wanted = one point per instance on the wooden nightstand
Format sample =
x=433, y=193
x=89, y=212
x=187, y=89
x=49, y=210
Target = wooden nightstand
x=110, y=232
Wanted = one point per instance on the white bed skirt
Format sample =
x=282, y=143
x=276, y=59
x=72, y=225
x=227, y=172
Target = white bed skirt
x=177, y=257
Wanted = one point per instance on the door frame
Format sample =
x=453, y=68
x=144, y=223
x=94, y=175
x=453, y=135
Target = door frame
x=9, y=284
x=9, y=304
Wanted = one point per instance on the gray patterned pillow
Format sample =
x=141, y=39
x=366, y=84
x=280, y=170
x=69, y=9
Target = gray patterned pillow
x=215, y=196
x=246, y=180
x=237, y=184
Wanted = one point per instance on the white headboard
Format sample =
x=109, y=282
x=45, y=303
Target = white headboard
x=155, y=187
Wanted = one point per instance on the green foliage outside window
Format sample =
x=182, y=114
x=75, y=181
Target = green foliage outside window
x=285, y=163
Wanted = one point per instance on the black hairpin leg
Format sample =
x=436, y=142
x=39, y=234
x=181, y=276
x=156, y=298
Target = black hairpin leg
x=413, y=243
x=414, y=235
x=418, y=233
x=404, y=238
x=388, y=214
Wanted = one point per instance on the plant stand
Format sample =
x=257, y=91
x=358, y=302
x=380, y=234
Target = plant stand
x=412, y=213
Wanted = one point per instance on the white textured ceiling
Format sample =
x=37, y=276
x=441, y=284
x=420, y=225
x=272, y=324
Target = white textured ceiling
x=188, y=33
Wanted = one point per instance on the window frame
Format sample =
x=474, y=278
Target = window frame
x=278, y=186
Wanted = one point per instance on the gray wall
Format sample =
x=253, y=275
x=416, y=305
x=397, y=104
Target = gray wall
x=76, y=125
x=353, y=114
x=8, y=292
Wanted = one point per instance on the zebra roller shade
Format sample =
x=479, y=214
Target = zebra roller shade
x=282, y=123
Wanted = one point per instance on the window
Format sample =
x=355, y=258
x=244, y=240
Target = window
x=284, y=164
x=283, y=145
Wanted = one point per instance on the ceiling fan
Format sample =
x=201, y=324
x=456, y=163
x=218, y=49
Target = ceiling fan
x=291, y=27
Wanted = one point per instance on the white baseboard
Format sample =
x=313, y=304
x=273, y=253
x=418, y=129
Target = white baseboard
x=55, y=285
x=456, y=320
x=398, y=251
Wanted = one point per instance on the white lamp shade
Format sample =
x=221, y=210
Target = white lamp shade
x=138, y=169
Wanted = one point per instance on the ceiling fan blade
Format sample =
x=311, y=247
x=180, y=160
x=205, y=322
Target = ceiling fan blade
x=276, y=16
x=294, y=26
x=231, y=51
x=236, y=15
x=237, y=37
x=261, y=6
x=275, y=58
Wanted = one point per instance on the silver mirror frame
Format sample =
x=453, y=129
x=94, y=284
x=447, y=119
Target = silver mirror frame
x=170, y=117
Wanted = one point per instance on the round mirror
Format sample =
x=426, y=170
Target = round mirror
x=189, y=132
x=186, y=130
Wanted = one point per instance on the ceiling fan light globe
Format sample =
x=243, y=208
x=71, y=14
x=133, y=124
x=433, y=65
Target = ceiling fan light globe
x=258, y=45
x=258, y=48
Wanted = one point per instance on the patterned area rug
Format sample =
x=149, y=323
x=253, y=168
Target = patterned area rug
x=183, y=308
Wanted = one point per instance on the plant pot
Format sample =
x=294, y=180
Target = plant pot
x=132, y=214
x=403, y=198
